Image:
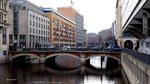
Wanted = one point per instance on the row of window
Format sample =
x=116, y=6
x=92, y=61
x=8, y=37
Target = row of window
x=147, y=44
x=39, y=19
x=3, y=4
x=61, y=45
x=39, y=39
x=41, y=32
x=3, y=17
x=67, y=35
x=3, y=53
x=38, y=25
x=63, y=40
x=62, y=25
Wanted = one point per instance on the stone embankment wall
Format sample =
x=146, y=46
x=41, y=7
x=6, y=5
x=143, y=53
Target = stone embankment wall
x=136, y=71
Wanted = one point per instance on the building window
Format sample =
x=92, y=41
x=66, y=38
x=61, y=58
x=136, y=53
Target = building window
x=148, y=44
x=4, y=53
x=10, y=39
x=42, y=32
x=36, y=31
x=30, y=22
x=33, y=24
x=5, y=6
x=33, y=16
x=39, y=25
x=30, y=30
x=39, y=18
x=22, y=40
x=36, y=18
x=30, y=16
x=4, y=36
x=36, y=24
x=1, y=17
x=33, y=30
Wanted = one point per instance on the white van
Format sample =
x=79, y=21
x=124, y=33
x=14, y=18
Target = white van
x=64, y=48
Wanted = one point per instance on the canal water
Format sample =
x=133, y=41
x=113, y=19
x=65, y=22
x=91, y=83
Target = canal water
x=42, y=74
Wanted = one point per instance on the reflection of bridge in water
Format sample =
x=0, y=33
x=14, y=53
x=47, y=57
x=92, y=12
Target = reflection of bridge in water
x=82, y=70
x=42, y=74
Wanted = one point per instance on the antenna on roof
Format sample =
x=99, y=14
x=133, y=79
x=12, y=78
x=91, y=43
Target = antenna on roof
x=71, y=2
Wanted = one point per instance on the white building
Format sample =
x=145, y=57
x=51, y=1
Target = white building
x=134, y=15
x=4, y=30
x=30, y=26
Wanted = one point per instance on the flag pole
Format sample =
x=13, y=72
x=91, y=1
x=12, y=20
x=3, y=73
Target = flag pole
x=71, y=2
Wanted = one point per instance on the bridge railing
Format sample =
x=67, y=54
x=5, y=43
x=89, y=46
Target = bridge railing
x=33, y=49
x=145, y=58
x=72, y=49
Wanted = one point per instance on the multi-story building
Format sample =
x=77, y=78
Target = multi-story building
x=30, y=25
x=79, y=20
x=125, y=38
x=93, y=40
x=107, y=35
x=133, y=19
x=4, y=29
x=62, y=30
x=104, y=34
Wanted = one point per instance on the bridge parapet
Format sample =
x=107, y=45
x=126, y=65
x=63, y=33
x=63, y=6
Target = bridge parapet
x=144, y=58
x=136, y=66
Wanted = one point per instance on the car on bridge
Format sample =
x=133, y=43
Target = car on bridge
x=65, y=48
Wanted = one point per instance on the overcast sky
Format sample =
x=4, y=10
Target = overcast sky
x=98, y=14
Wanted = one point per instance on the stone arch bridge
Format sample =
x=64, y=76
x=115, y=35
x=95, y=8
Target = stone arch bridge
x=83, y=55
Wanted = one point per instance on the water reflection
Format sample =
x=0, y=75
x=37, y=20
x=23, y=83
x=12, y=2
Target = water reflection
x=99, y=62
x=96, y=80
x=41, y=74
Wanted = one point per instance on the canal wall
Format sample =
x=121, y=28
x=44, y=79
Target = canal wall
x=136, y=70
x=4, y=59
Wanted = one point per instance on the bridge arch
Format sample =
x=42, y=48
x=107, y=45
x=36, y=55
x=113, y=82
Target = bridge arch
x=62, y=54
x=25, y=54
x=97, y=55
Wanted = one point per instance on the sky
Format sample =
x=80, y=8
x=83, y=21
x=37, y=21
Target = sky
x=98, y=14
